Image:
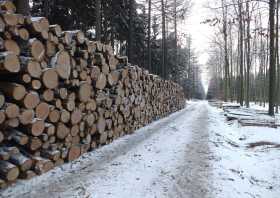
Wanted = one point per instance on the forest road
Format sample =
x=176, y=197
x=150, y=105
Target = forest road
x=172, y=157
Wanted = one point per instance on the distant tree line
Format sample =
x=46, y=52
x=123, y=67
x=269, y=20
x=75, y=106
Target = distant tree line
x=244, y=60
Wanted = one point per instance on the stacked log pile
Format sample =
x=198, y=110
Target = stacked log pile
x=62, y=95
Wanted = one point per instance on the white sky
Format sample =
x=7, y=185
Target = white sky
x=201, y=34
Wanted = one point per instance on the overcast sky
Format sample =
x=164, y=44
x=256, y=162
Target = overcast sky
x=201, y=33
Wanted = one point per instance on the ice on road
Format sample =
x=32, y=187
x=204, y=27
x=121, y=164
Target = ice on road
x=190, y=154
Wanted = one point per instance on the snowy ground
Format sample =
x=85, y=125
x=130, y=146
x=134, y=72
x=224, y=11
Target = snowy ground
x=194, y=153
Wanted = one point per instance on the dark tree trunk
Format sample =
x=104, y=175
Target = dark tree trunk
x=149, y=36
x=226, y=59
x=277, y=58
x=176, y=35
x=131, y=31
x=241, y=91
x=163, y=64
x=248, y=57
x=98, y=20
x=22, y=7
x=271, y=57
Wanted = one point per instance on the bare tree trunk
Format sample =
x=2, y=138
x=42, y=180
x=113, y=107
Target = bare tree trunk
x=163, y=65
x=271, y=57
x=98, y=20
x=248, y=59
x=231, y=90
x=131, y=31
x=241, y=91
x=149, y=36
x=226, y=60
x=22, y=7
x=176, y=34
x=277, y=58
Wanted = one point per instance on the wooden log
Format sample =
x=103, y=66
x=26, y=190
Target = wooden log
x=8, y=171
x=113, y=78
x=13, y=90
x=31, y=100
x=74, y=153
x=11, y=123
x=48, y=95
x=12, y=46
x=2, y=116
x=65, y=116
x=31, y=66
x=23, y=34
x=3, y=184
x=1, y=136
x=34, y=144
x=42, y=110
x=85, y=92
x=95, y=73
x=11, y=110
x=2, y=25
x=38, y=24
x=10, y=19
x=36, y=48
x=54, y=116
x=18, y=137
x=101, y=125
x=26, y=78
x=56, y=29
x=42, y=165
x=9, y=62
x=62, y=131
x=101, y=82
x=27, y=175
x=76, y=35
x=62, y=63
x=8, y=6
x=36, y=128
x=76, y=116
x=2, y=100
x=26, y=116
x=12, y=150
x=52, y=155
x=24, y=163
x=36, y=84
x=4, y=155
x=50, y=78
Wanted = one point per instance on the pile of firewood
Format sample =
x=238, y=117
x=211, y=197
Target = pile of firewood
x=62, y=95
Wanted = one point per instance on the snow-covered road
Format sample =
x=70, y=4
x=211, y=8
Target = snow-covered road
x=190, y=154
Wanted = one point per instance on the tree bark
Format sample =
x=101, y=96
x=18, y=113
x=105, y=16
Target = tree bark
x=163, y=58
x=241, y=91
x=22, y=7
x=248, y=59
x=131, y=31
x=98, y=20
x=271, y=57
x=149, y=36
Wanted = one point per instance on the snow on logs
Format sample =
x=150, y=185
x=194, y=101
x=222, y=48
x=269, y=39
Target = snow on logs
x=62, y=95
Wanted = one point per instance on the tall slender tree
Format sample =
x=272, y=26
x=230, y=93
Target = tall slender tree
x=131, y=30
x=241, y=52
x=272, y=70
x=98, y=20
x=149, y=34
x=163, y=58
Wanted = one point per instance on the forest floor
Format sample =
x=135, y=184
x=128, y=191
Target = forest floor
x=194, y=153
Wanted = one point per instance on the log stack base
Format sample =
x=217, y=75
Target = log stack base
x=62, y=95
